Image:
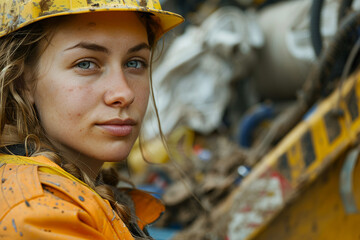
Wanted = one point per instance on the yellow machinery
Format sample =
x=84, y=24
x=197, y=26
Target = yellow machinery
x=308, y=187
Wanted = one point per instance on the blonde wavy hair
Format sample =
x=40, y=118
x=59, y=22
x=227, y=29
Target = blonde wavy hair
x=19, y=122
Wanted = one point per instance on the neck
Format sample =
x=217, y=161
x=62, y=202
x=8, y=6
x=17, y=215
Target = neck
x=89, y=166
x=83, y=163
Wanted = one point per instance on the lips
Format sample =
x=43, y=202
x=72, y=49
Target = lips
x=118, y=127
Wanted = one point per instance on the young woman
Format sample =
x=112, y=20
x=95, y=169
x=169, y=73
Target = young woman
x=74, y=88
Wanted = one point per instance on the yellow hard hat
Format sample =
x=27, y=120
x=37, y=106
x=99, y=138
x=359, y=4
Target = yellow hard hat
x=15, y=14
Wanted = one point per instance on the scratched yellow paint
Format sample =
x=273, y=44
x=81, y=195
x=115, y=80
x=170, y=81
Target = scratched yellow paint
x=318, y=213
x=297, y=166
x=356, y=124
x=314, y=209
x=320, y=139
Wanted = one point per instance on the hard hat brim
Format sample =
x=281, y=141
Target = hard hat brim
x=167, y=20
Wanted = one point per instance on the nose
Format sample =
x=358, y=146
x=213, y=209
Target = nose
x=118, y=92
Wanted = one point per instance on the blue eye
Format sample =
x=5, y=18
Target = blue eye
x=85, y=65
x=134, y=64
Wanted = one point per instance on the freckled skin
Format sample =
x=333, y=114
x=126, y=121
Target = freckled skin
x=72, y=101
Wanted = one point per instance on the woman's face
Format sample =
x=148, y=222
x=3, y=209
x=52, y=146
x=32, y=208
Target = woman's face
x=93, y=86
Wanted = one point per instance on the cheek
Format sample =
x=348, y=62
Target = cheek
x=144, y=98
x=75, y=100
x=62, y=104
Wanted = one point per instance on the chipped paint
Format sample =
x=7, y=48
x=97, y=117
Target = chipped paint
x=14, y=224
x=53, y=183
x=142, y=3
x=45, y=5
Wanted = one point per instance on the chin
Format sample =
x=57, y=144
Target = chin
x=110, y=152
x=115, y=157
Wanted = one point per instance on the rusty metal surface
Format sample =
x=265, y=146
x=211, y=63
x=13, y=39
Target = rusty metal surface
x=318, y=212
x=297, y=161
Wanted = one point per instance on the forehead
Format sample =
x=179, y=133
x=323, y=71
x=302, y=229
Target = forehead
x=126, y=24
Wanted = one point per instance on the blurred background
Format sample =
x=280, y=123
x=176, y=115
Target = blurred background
x=245, y=91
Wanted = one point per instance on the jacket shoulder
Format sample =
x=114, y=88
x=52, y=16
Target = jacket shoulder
x=36, y=203
x=148, y=209
x=19, y=184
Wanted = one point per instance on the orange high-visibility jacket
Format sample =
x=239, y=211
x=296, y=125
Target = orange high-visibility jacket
x=39, y=200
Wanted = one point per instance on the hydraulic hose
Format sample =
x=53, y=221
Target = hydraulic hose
x=315, y=26
x=325, y=75
x=333, y=62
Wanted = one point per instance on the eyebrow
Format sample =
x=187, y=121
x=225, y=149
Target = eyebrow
x=89, y=46
x=139, y=47
x=99, y=48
